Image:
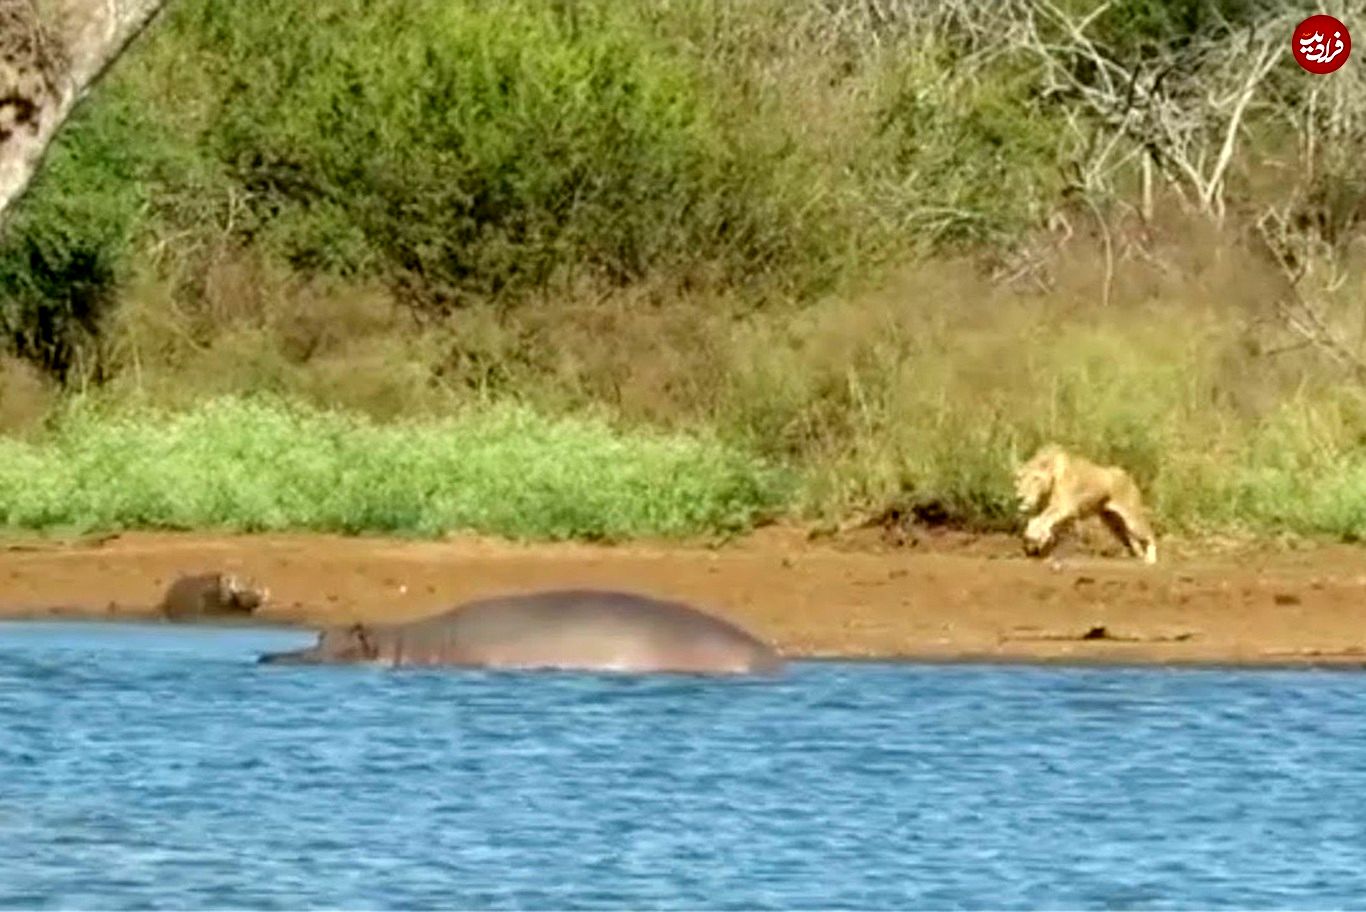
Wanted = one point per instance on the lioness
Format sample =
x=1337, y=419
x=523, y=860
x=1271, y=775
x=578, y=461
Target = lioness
x=1069, y=488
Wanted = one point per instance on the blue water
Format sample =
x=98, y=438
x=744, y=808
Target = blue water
x=159, y=767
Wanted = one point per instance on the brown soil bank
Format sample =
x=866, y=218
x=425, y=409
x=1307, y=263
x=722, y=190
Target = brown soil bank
x=945, y=598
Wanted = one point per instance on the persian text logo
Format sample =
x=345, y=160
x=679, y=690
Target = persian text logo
x=1321, y=44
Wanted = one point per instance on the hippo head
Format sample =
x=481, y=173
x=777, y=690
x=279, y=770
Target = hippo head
x=214, y=594
x=236, y=593
x=342, y=645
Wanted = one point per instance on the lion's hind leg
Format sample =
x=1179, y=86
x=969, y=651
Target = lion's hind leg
x=1114, y=521
x=1132, y=529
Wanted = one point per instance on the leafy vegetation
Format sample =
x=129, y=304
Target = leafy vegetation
x=751, y=235
x=261, y=465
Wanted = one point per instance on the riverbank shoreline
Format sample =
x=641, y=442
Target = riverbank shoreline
x=946, y=598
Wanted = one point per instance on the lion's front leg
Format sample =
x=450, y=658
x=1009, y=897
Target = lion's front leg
x=1040, y=532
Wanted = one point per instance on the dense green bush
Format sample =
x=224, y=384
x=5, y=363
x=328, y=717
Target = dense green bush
x=469, y=150
x=60, y=268
x=464, y=152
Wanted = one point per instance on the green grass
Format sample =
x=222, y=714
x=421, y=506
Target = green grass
x=259, y=466
x=264, y=465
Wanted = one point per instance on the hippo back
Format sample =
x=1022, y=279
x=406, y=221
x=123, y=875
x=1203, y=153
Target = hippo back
x=582, y=628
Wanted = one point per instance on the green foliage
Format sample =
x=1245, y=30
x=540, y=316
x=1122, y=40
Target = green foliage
x=967, y=157
x=503, y=151
x=118, y=178
x=256, y=166
x=490, y=149
x=60, y=266
x=260, y=465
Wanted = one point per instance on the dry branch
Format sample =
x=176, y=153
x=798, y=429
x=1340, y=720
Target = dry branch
x=1182, y=110
x=1298, y=313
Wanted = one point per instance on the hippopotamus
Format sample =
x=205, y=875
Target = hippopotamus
x=572, y=629
x=211, y=595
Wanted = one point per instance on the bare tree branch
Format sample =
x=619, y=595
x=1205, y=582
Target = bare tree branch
x=1301, y=316
x=1213, y=188
x=1185, y=109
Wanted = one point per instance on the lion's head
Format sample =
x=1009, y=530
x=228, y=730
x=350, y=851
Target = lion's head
x=1034, y=479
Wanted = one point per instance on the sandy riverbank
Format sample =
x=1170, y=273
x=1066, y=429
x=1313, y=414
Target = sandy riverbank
x=947, y=598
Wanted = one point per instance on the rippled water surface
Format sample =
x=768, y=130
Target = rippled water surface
x=158, y=766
